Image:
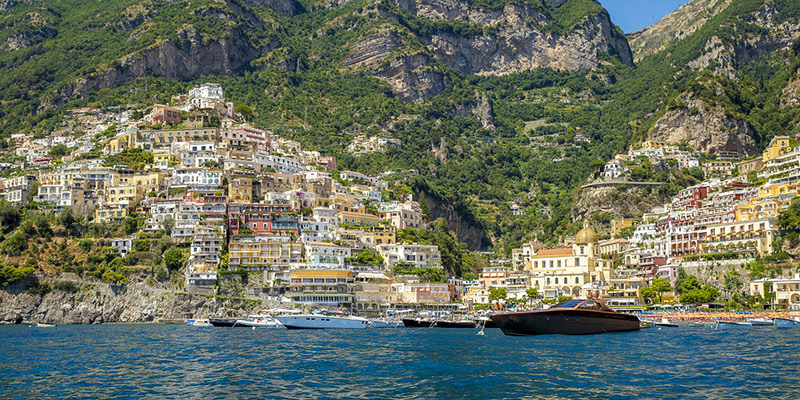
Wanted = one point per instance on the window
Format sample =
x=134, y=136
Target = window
x=577, y=262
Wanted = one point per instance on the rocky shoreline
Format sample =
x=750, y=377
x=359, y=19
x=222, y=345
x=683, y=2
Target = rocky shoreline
x=90, y=302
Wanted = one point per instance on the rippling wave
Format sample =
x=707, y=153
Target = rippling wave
x=169, y=361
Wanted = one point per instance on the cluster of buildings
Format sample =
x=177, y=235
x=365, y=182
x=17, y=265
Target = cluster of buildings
x=662, y=155
x=239, y=198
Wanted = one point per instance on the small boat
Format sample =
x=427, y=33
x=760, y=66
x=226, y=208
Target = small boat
x=574, y=317
x=786, y=323
x=258, y=321
x=454, y=324
x=222, y=322
x=665, y=322
x=45, y=325
x=417, y=323
x=198, y=322
x=385, y=323
x=726, y=325
x=760, y=322
x=645, y=324
x=314, y=321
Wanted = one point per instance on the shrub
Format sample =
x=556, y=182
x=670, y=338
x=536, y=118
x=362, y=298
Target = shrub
x=66, y=286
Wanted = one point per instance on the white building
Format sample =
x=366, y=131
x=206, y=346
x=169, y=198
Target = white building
x=417, y=255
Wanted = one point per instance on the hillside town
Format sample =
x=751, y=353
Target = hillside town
x=242, y=200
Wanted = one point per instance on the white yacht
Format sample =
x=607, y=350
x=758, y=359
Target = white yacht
x=198, y=322
x=314, y=321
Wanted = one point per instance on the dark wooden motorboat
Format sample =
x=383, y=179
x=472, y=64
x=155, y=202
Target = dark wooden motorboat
x=416, y=323
x=223, y=322
x=574, y=317
x=454, y=324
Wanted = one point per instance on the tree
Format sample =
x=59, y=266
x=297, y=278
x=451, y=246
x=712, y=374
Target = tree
x=58, y=150
x=649, y=293
x=498, y=294
x=661, y=286
x=789, y=219
x=168, y=225
x=370, y=257
x=174, y=259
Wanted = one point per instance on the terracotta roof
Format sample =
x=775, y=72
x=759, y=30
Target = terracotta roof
x=559, y=252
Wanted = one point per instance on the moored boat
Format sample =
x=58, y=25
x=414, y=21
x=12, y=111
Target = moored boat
x=198, y=322
x=760, y=322
x=786, y=323
x=314, y=321
x=222, y=322
x=258, y=321
x=45, y=325
x=574, y=317
x=665, y=323
x=417, y=323
x=454, y=324
x=726, y=325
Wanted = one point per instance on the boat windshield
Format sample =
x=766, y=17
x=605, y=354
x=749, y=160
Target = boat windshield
x=567, y=304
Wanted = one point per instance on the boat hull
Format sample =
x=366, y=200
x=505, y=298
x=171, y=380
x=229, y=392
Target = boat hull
x=416, y=323
x=786, y=323
x=760, y=322
x=455, y=324
x=322, y=322
x=565, y=322
x=726, y=325
x=222, y=322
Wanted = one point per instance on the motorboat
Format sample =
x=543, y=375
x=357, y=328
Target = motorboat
x=198, y=322
x=259, y=321
x=760, y=322
x=319, y=321
x=454, y=324
x=385, y=323
x=45, y=325
x=786, y=323
x=418, y=323
x=227, y=323
x=574, y=317
x=726, y=325
x=665, y=323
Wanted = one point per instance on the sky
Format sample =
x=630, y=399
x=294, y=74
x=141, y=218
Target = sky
x=631, y=15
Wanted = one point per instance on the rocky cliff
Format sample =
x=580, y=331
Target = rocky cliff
x=465, y=230
x=93, y=303
x=619, y=201
x=517, y=37
x=675, y=26
x=187, y=57
x=705, y=127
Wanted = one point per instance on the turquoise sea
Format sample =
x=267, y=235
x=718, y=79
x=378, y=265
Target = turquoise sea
x=175, y=361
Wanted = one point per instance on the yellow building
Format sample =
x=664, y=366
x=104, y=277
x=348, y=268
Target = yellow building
x=110, y=212
x=770, y=202
x=357, y=219
x=373, y=292
x=617, y=224
x=120, y=193
x=323, y=287
x=566, y=271
x=778, y=146
x=257, y=253
x=120, y=142
x=240, y=189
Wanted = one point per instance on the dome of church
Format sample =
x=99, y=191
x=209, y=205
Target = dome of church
x=586, y=235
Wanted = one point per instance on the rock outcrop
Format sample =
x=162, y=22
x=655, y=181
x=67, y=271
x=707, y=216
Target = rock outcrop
x=457, y=222
x=618, y=201
x=790, y=96
x=514, y=38
x=708, y=129
x=675, y=26
x=187, y=57
x=97, y=303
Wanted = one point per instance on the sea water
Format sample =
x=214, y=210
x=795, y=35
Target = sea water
x=176, y=361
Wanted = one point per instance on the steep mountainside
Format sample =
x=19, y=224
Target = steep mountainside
x=674, y=27
x=494, y=102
